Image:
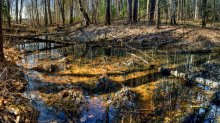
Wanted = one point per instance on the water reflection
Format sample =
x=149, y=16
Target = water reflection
x=167, y=97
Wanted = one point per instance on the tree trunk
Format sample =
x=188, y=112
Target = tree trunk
x=196, y=9
x=173, y=12
x=204, y=14
x=8, y=13
x=118, y=7
x=1, y=37
x=129, y=11
x=16, y=11
x=45, y=14
x=148, y=10
x=20, y=13
x=61, y=5
x=37, y=13
x=49, y=12
x=85, y=15
x=152, y=9
x=135, y=11
x=71, y=12
x=107, y=13
x=158, y=14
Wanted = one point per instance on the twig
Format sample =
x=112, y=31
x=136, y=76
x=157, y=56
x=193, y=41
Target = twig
x=139, y=58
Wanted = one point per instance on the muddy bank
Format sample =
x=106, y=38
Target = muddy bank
x=14, y=107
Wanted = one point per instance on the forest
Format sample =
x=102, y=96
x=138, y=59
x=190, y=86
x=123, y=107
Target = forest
x=109, y=61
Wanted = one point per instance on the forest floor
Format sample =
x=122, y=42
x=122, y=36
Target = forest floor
x=180, y=37
x=128, y=70
x=14, y=107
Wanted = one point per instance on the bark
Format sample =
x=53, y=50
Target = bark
x=32, y=13
x=173, y=12
x=196, y=9
x=8, y=13
x=71, y=12
x=16, y=11
x=1, y=37
x=191, y=77
x=37, y=13
x=85, y=15
x=61, y=5
x=94, y=11
x=152, y=9
x=204, y=14
x=21, y=9
x=135, y=11
x=129, y=11
x=45, y=13
x=49, y=12
x=148, y=10
x=107, y=13
x=118, y=7
x=158, y=14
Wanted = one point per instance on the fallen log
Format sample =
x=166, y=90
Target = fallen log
x=193, y=77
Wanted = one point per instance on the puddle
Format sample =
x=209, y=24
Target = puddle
x=96, y=112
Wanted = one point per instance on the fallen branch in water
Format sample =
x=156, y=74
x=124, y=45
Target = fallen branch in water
x=139, y=58
x=200, y=80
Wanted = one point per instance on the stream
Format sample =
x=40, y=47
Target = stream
x=35, y=52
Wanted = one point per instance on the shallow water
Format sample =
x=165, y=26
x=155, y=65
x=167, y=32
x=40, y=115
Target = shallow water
x=36, y=52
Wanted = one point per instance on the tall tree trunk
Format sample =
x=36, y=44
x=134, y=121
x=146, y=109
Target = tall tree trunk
x=158, y=14
x=95, y=5
x=173, y=12
x=107, y=13
x=32, y=13
x=16, y=11
x=148, y=10
x=8, y=13
x=129, y=11
x=152, y=9
x=49, y=12
x=45, y=14
x=204, y=13
x=118, y=7
x=21, y=8
x=1, y=37
x=37, y=13
x=85, y=15
x=135, y=11
x=71, y=11
x=196, y=9
x=61, y=5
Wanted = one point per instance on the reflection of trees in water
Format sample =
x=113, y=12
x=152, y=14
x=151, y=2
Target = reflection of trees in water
x=171, y=98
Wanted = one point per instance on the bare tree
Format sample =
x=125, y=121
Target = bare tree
x=71, y=11
x=8, y=13
x=135, y=11
x=45, y=14
x=173, y=12
x=204, y=13
x=1, y=37
x=20, y=12
x=16, y=10
x=197, y=9
x=49, y=12
x=85, y=15
x=61, y=5
x=107, y=13
x=152, y=9
x=158, y=14
x=129, y=11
